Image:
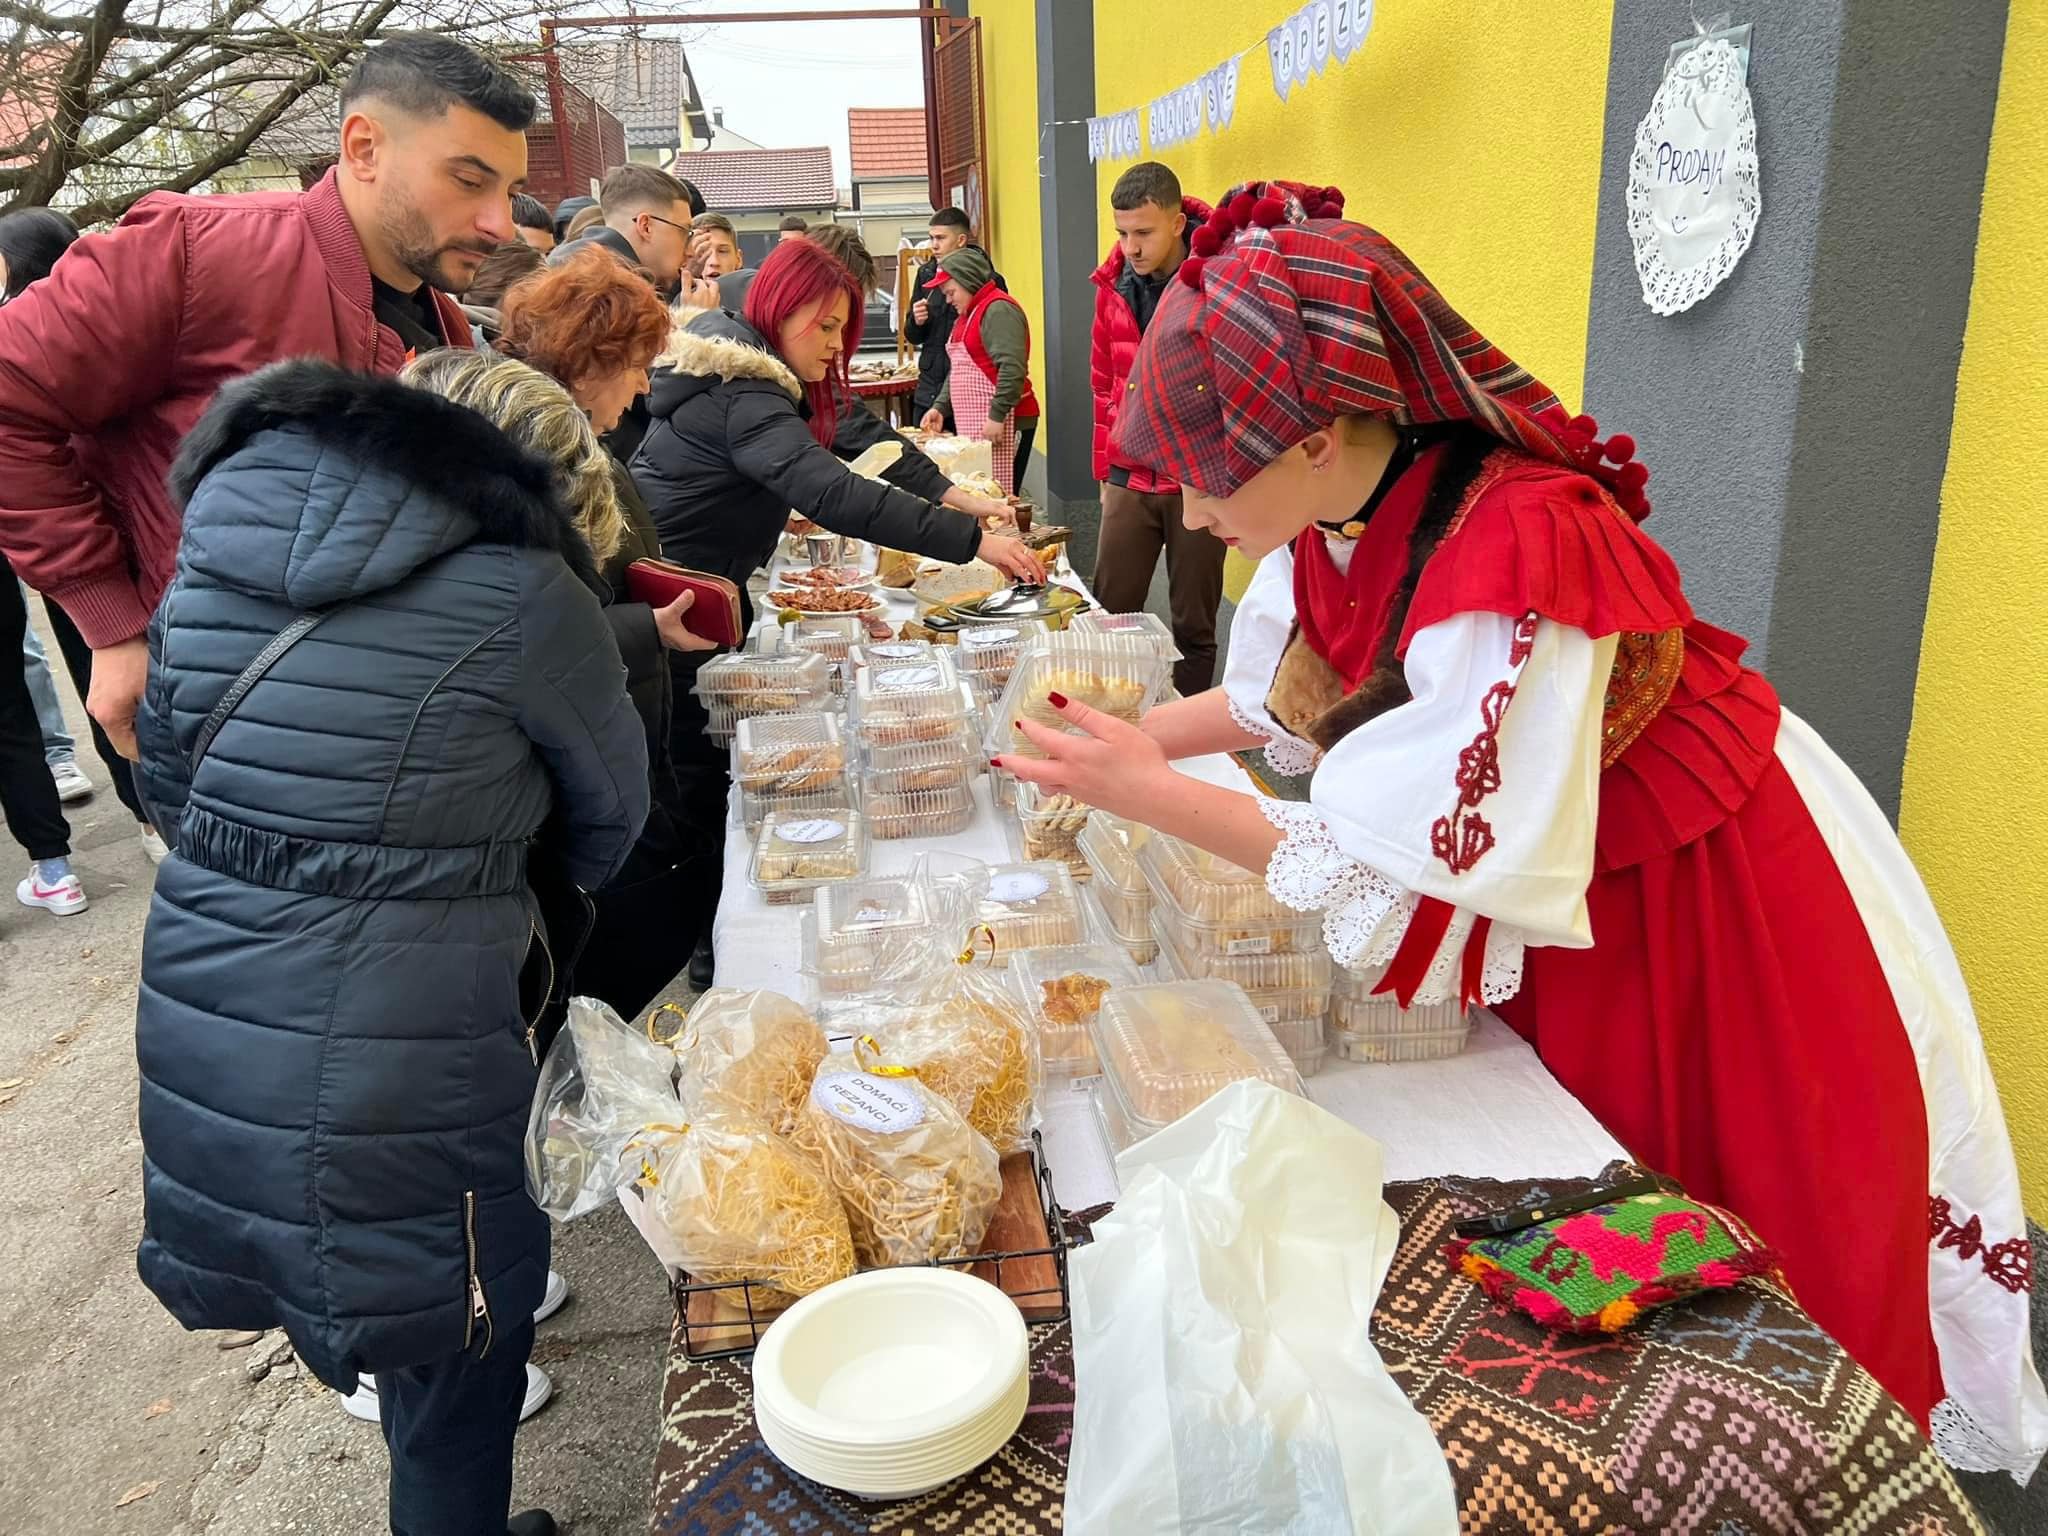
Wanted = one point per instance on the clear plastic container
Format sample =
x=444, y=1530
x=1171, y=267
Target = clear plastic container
x=1064, y=989
x=1051, y=826
x=1110, y=846
x=889, y=653
x=1026, y=906
x=1168, y=1048
x=1281, y=987
x=738, y=686
x=1148, y=626
x=1212, y=906
x=901, y=813
x=864, y=926
x=919, y=701
x=1117, y=674
x=755, y=805
x=832, y=636
x=789, y=754
x=1368, y=1028
x=798, y=852
x=986, y=654
x=1142, y=951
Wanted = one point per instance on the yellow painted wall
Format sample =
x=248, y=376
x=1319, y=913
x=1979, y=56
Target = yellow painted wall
x=1009, y=57
x=1469, y=131
x=1974, y=812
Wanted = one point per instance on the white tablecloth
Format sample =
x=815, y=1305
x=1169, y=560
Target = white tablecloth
x=1492, y=1111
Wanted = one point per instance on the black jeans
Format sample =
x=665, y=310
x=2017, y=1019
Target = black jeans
x=28, y=795
x=449, y=1427
x=78, y=661
x=1021, y=459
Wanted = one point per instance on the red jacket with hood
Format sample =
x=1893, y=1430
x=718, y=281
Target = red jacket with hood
x=1114, y=347
x=108, y=362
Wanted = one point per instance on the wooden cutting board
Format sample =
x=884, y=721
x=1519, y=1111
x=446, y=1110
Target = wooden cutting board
x=718, y=1319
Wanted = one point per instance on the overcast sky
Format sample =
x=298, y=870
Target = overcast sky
x=786, y=84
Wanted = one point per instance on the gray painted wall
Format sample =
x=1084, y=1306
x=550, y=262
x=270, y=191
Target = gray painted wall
x=1797, y=420
x=1066, y=91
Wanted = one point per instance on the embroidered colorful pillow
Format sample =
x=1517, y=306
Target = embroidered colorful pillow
x=1597, y=1271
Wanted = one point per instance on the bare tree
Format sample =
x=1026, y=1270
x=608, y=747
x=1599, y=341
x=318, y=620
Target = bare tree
x=99, y=107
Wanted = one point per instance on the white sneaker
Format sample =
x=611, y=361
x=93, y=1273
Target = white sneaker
x=72, y=784
x=553, y=1299
x=51, y=886
x=153, y=845
x=362, y=1403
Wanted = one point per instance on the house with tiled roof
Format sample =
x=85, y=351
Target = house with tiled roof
x=891, y=192
x=647, y=84
x=755, y=188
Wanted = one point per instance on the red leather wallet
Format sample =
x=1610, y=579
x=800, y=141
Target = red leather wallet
x=714, y=616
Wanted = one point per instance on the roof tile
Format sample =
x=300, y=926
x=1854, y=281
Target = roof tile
x=735, y=180
x=886, y=141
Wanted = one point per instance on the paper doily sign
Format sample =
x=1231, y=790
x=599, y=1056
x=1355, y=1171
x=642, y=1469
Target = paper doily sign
x=1693, y=191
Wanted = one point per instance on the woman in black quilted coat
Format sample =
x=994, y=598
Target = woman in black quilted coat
x=346, y=964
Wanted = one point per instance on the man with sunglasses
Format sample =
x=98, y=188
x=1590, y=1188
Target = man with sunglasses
x=646, y=224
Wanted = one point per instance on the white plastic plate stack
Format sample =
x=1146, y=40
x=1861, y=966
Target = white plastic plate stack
x=894, y=1382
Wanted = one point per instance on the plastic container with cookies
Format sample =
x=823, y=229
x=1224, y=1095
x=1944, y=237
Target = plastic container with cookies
x=735, y=687
x=1065, y=988
x=832, y=636
x=1168, y=1048
x=986, y=653
x=1050, y=827
x=1212, y=905
x=1026, y=906
x=1117, y=674
x=789, y=754
x=909, y=766
x=893, y=814
x=917, y=701
x=797, y=852
x=1290, y=993
x=1364, y=1027
x=887, y=653
x=869, y=931
x=1109, y=844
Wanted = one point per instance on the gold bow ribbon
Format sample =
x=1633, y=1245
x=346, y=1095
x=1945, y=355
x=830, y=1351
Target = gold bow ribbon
x=672, y=1037
x=648, y=1178
x=966, y=955
x=867, y=1055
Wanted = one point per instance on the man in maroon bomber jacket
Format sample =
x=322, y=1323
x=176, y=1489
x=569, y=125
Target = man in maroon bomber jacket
x=107, y=363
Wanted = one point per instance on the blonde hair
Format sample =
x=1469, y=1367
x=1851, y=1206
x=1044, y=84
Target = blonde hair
x=538, y=414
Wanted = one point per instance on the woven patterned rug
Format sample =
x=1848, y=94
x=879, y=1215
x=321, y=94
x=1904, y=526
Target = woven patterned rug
x=1732, y=1414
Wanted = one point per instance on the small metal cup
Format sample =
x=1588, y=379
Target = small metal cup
x=823, y=549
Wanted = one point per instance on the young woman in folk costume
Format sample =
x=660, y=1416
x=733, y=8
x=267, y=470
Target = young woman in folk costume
x=1541, y=782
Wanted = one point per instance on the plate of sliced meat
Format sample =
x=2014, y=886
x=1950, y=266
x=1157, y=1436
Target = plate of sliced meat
x=828, y=578
x=824, y=600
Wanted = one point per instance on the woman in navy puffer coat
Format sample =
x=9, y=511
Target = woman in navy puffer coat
x=336, y=1055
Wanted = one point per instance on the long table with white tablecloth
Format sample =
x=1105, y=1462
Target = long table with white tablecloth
x=1492, y=1111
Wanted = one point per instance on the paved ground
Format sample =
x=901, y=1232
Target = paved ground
x=106, y=1398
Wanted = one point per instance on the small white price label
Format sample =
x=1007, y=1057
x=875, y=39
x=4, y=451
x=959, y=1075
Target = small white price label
x=1260, y=944
x=820, y=830
x=1016, y=886
x=907, y=679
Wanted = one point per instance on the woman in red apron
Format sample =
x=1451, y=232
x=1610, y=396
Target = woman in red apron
x=1541, y=782
x=988, y=378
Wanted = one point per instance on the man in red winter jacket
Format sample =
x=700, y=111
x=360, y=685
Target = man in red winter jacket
x=106, y=364
x=1141, y=509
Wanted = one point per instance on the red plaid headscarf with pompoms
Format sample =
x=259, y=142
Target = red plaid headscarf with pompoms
x=1300, y=321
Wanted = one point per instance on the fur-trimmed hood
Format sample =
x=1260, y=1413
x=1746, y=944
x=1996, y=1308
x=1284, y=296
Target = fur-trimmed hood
x=713, y=347
x=307, y=482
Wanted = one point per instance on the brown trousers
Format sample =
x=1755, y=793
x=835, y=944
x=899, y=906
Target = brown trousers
x=1134, y=528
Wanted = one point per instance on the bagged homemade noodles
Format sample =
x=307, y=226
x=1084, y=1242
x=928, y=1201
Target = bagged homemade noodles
x=755, y=1052
x=918, y=1183
x=968, y=1039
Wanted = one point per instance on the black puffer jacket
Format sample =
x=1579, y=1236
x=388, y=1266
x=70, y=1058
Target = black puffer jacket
x=729, y=454
x=332, y=1030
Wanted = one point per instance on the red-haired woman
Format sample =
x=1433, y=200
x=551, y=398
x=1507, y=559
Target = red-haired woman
x=743, y=412
x=1540, y=781
x=594, y=325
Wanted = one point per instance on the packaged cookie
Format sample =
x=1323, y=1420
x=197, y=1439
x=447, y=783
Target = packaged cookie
x=1025, y=906
x=987, y=652
x=1051, y=826
x=1169, y=1047
x=1148, y=627
x=1289, y=992
x=754, y=1052
x=1064, y=989
x=832, y=636
x=889, y=653
x=796, y=852
x=1210, y=904
x=1369, y=1026
x=872, y=932
x=733, y=687
x=789, y=754
x=1109, y=845
x=906, y=767
x=1119, y=675
x=916, y=1181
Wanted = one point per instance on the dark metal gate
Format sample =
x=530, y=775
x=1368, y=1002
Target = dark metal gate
x=956, y=117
